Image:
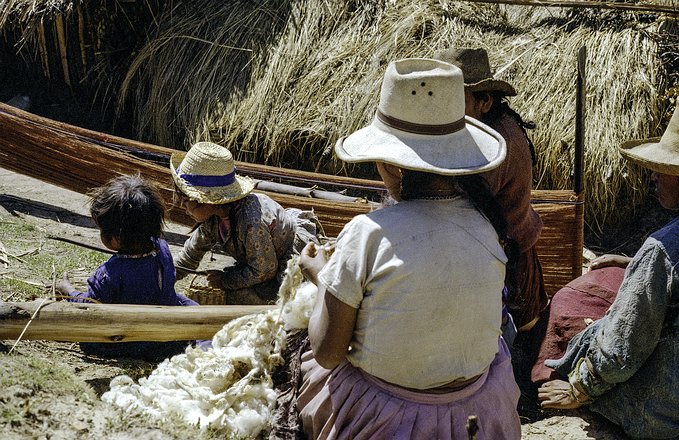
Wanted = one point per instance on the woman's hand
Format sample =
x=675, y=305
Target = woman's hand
x=609, y=260
x=312, y=259
x=214, y=279
x=559, y=394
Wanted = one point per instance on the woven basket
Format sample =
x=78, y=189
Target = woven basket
x=203, y=294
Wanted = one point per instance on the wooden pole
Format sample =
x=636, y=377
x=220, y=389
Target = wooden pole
x=61, y=43
x=635, y=7
x=77, y=322
x=580, y=113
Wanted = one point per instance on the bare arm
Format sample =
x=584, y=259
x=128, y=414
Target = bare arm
x=608, y=260
x=331, y=326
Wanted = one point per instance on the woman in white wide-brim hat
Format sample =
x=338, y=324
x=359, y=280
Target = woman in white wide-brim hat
x=252, y=228
x=626, y=364
x=405, y=335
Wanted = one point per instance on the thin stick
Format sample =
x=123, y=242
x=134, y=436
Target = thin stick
x=81, y=244
x=11, y=295
x=110, y=252
x=44, y=300
x=30, y=283
x=638, y=7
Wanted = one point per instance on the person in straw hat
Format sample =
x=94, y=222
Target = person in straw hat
x=252, y=228
x=626, y=364
x=512, y=181
x=405, y=333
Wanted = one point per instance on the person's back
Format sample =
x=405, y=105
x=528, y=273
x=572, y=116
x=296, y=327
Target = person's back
x=512, y=182
x=431, y=279
x=147, y=278
x=259, y=213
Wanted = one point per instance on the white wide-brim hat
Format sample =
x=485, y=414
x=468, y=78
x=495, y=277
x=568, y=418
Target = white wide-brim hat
x=207, y=174
x=420, y=124
x=657, y=154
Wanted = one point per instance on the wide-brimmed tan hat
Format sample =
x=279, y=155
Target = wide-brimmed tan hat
x=206, y=174
x=657, y=154
x=420, y=124
x=476, y=70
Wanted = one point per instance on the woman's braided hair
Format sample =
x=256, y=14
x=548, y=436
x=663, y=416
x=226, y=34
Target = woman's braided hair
x=501, y=107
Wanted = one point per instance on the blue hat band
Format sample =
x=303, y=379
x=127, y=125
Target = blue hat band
x=209, y=181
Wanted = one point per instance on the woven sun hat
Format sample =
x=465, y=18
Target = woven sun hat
x=420, y=124
x=657, y=154
x=207, y=174
x=476, y=70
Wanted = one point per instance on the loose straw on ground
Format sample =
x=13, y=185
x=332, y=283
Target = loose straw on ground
x=37, y=310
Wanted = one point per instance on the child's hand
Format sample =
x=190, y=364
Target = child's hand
x=312, y=259
x=64, y=287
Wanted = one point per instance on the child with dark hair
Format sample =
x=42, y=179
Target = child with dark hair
x=130, y=214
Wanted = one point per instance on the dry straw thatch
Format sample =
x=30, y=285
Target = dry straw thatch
x=279, y=82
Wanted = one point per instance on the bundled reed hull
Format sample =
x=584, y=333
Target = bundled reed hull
x=80, y=159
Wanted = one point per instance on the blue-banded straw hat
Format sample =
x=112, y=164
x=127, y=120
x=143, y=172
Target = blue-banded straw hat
x=420, y=124
x=657, y=154
x=207, y=174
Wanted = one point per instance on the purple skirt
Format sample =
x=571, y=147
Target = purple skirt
x=347, y=403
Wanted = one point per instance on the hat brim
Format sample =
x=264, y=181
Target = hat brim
x=652, y=154
x=241, y=187
x=491, y=85
x=474, y=149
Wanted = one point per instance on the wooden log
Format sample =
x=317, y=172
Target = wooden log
x=591, y=4
x=76, y=322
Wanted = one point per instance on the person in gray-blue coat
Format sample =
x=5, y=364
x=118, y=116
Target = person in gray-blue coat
x=625, y=365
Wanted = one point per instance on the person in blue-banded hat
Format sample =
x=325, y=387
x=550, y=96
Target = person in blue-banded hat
x=252, y=228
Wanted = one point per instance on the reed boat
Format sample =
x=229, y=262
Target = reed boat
x=80, y=159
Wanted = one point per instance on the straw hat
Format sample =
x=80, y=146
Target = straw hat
x=206, y=174
x=657, y=154
x=420, y=124
x=476, y=70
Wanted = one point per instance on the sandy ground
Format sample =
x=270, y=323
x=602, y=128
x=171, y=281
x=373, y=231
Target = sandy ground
x=65, y=212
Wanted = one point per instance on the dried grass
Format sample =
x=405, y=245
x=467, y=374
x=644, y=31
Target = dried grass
x=28, y=12
x=280, y=82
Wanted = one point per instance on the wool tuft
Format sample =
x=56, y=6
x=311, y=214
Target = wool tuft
x=227, y=388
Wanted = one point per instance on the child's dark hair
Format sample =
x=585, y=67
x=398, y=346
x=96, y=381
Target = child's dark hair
x=129, y=208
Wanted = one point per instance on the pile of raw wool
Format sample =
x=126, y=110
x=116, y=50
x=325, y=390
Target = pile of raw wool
x=227, y=388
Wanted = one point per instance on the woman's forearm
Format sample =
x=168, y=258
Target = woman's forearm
x=331, y=326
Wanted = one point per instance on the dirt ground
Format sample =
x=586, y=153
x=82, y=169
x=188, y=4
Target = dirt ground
x=72, y=408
